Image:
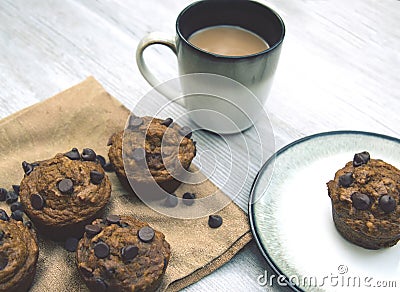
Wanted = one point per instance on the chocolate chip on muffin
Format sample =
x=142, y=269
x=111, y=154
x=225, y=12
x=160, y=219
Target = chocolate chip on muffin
x=18, y=254
x=365, y=195
x=62, y=194
x=125, y=255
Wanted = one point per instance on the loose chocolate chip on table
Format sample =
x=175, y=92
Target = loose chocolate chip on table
x=387, y=203
x=113, y=219
x=17, y=215
x=3, y=261
x=16, y=206
x=3, y=215
x=185, y=131
x=188, y=198
x=100, y=285
x=16, y=189
x=214, y=221
x=146, y=234
x=66, y=186
x=71, y=243
x=171, y=200
x=139, y=154
x=92, y=230
x=100, y=159
x=346, y=179
x=11, y=197
x=1, y=234
x=101, y=250
x=96, y=177
x=37, y=202
x=135, y=122
x=108, y=167
x=360, y=201
x=73, y=154
x=27, y=167
x=3, y=194
x=88, y=154
x=361, y=158
x=167, y=122
x=129, y=252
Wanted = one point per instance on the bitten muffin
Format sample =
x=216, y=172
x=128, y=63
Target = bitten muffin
x=155, y=152
x=365, y=197
x=18, y=255
x=62, y=194
x=121, y=253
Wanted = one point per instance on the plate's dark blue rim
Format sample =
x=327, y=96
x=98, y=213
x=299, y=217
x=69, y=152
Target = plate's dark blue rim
x=262, y=248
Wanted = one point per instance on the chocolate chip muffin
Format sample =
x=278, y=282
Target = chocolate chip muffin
x=62, y=194
x=152, y=152
x=121, y=253
x=18, y=255
x=365, y=197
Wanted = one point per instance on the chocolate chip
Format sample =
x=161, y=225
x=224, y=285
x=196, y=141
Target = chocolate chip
x=129, y=252
x=138, y=154
x=96, y=177
x=17, y=215
x=28, y=224
x=27, y=167
x=73, y=154
x=387, y=203
x=16, y=206
x=3, y=215
x=185, y=131
x=100, y=285
x=113, y=219
x=11, y=197
x=135, y=122
x=361, y=158
x=167, y=122
x=92, y=230
x=110, y=140
x=37, y=202
x=2, y=234
x=71, y=243
x=3, y=194
x=165, y=264
x=188, y=198
x=346, y=180
x=360, y=201
x=66, y=186
x=171, y=201
x=100, y=159
x=108, y=167
x=88, y=154
x=146, y=234
x=3, y=261
x=214, y=221
x=86, y=272
x=16, y=189
x=101, y=250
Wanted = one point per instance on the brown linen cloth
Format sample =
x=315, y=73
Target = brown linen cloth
x=85, y=116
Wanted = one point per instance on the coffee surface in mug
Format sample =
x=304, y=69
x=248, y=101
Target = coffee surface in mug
x=228, y=40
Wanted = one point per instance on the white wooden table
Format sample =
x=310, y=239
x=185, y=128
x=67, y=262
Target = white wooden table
x=339, y=69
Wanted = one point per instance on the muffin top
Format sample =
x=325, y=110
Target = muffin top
x=122, y=253
x=18, y=252
x=64, y=190
x=366, y=194
x=152, y=148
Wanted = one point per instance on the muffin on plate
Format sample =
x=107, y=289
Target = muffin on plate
x=19, y=253
x=151, y=152
x=62, y=194
x=365, y=196
x=121, y=253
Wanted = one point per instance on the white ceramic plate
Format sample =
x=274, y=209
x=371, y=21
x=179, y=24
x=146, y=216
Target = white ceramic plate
x=291, y=219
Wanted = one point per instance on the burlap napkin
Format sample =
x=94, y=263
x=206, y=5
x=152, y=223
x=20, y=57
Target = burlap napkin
x=85, y=116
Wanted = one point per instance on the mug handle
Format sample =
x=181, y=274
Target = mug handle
x=157, y=38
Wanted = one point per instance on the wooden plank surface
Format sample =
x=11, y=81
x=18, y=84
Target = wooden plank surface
x=339, y=69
